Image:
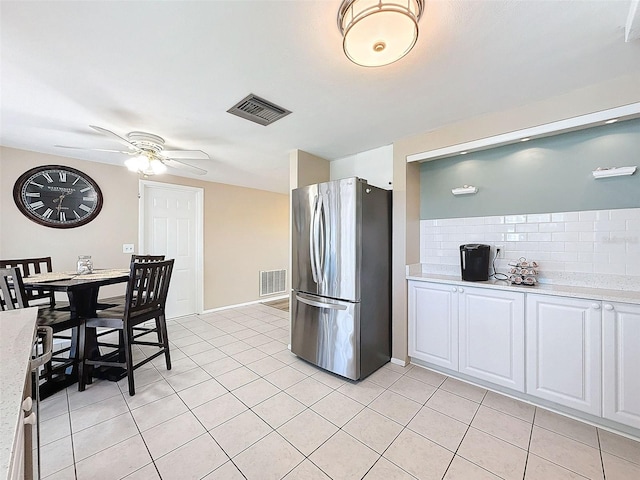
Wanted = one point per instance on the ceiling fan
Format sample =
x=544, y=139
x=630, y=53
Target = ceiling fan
x=148, y=155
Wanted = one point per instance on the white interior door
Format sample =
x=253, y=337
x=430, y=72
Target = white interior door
x=171, y=225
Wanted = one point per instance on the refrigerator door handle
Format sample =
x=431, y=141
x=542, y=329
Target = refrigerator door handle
x=316, y=241
x=322, y=239
x=315, y=303
x=312, y=235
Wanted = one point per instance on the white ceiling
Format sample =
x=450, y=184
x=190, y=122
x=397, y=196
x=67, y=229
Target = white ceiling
x=173, y=68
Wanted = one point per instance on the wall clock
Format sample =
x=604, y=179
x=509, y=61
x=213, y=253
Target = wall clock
x=57, y=196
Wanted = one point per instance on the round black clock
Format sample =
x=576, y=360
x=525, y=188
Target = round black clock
x=57, y=196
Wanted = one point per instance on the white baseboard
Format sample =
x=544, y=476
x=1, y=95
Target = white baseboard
x=397, y=361
x=254, y=302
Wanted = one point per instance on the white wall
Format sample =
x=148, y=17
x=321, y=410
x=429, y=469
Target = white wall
x=375, y=166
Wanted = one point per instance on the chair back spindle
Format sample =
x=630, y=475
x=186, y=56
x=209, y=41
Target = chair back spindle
x=33, y=266
x=12, y=292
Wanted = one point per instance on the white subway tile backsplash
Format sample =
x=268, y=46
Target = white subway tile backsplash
x=495, y=220
x=515, y=218
x=625, y=214
x=551, y=227
x=587, y=236
x=610, y=226
x=539, y=218
x=565, y=217
x=527, y=227
x=600, y=248
x=565, y=237
x=539, y=237
x=593, y=215
x=578, y=227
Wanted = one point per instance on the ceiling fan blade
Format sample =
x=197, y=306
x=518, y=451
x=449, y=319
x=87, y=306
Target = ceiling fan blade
x=95, y=149
x=115, y=136
x=186, y=154
x=169, y=162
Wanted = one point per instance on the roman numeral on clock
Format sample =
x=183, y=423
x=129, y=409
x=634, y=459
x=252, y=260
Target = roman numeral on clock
x=47, y=213
x=36, y=205
x=63, y=176
x=63, y=217
x=47, y=177
x=84, y=207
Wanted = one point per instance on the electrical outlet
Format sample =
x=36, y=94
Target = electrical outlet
x=127, y=248
x=499, y=251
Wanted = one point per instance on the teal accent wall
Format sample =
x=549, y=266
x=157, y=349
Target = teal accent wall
x=543, y=175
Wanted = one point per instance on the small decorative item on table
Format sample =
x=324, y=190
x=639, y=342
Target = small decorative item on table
x=523, y=272
x=85, y=265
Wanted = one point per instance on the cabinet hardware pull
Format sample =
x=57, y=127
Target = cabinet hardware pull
x=595, y=306
x=31, y=419
x=608, y=306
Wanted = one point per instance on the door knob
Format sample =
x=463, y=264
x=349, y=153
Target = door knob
x=595, y=306
x=461, y=289
x=608, y=306
x=454, y=289
x=27, y=403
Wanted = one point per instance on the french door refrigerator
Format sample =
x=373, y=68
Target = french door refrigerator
x=341, y=276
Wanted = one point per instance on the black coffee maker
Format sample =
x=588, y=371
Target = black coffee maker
x=474, y=262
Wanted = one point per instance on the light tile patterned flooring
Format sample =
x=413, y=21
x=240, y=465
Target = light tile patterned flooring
x=237, y=404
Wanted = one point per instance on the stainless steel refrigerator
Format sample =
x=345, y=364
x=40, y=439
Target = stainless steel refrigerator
x=341, y=276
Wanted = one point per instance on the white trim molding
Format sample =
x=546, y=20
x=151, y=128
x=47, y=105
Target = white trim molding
x=626, y=112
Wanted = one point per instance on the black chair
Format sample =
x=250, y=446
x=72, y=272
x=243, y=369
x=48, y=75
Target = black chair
x=145, y=300
x=118, y=300
x=59, y=319
x=31, y=266
x=12, y=293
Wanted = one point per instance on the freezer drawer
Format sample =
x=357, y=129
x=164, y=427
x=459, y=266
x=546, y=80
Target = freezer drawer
x=326, y=333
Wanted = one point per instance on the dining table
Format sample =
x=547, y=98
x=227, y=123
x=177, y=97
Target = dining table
x=82, y=291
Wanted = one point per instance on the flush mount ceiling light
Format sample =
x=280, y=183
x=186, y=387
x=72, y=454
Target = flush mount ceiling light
x=378, y=32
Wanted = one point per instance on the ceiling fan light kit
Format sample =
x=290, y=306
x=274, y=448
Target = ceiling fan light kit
x=146, y=165
x=378, y=32
x=148, y=156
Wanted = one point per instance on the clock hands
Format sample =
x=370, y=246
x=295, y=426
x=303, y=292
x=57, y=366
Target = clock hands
x=59, y=202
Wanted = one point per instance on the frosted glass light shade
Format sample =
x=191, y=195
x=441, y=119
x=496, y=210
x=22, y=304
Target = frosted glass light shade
x=378, y=32
x=145, y=165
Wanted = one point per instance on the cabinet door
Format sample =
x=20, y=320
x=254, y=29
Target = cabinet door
x=433, y=323
x=492, y=336
x=621, y=363
x=564, y=351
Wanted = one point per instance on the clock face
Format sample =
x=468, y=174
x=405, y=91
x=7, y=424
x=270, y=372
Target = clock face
x=57, y=196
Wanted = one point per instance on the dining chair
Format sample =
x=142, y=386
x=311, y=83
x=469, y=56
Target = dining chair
x=32, y=266
x=13, y=295
x=12, y=292
x=50, y=313
x=145, y=301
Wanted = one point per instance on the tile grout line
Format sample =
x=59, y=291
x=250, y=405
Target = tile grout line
x=526, y=461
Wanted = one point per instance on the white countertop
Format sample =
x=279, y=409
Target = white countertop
x=17, y=330
x=601, y=294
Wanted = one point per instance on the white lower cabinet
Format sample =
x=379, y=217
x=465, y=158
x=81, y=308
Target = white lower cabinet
x=621, y=363
x=476, y=331
x=433, y=324
x=492, y=336
x=564, y=351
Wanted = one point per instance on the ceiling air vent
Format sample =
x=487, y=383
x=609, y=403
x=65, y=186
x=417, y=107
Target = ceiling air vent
x=258, y=110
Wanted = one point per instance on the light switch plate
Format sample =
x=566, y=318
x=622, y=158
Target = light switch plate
x=127, y=248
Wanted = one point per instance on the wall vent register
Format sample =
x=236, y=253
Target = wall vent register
x=273, y=281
